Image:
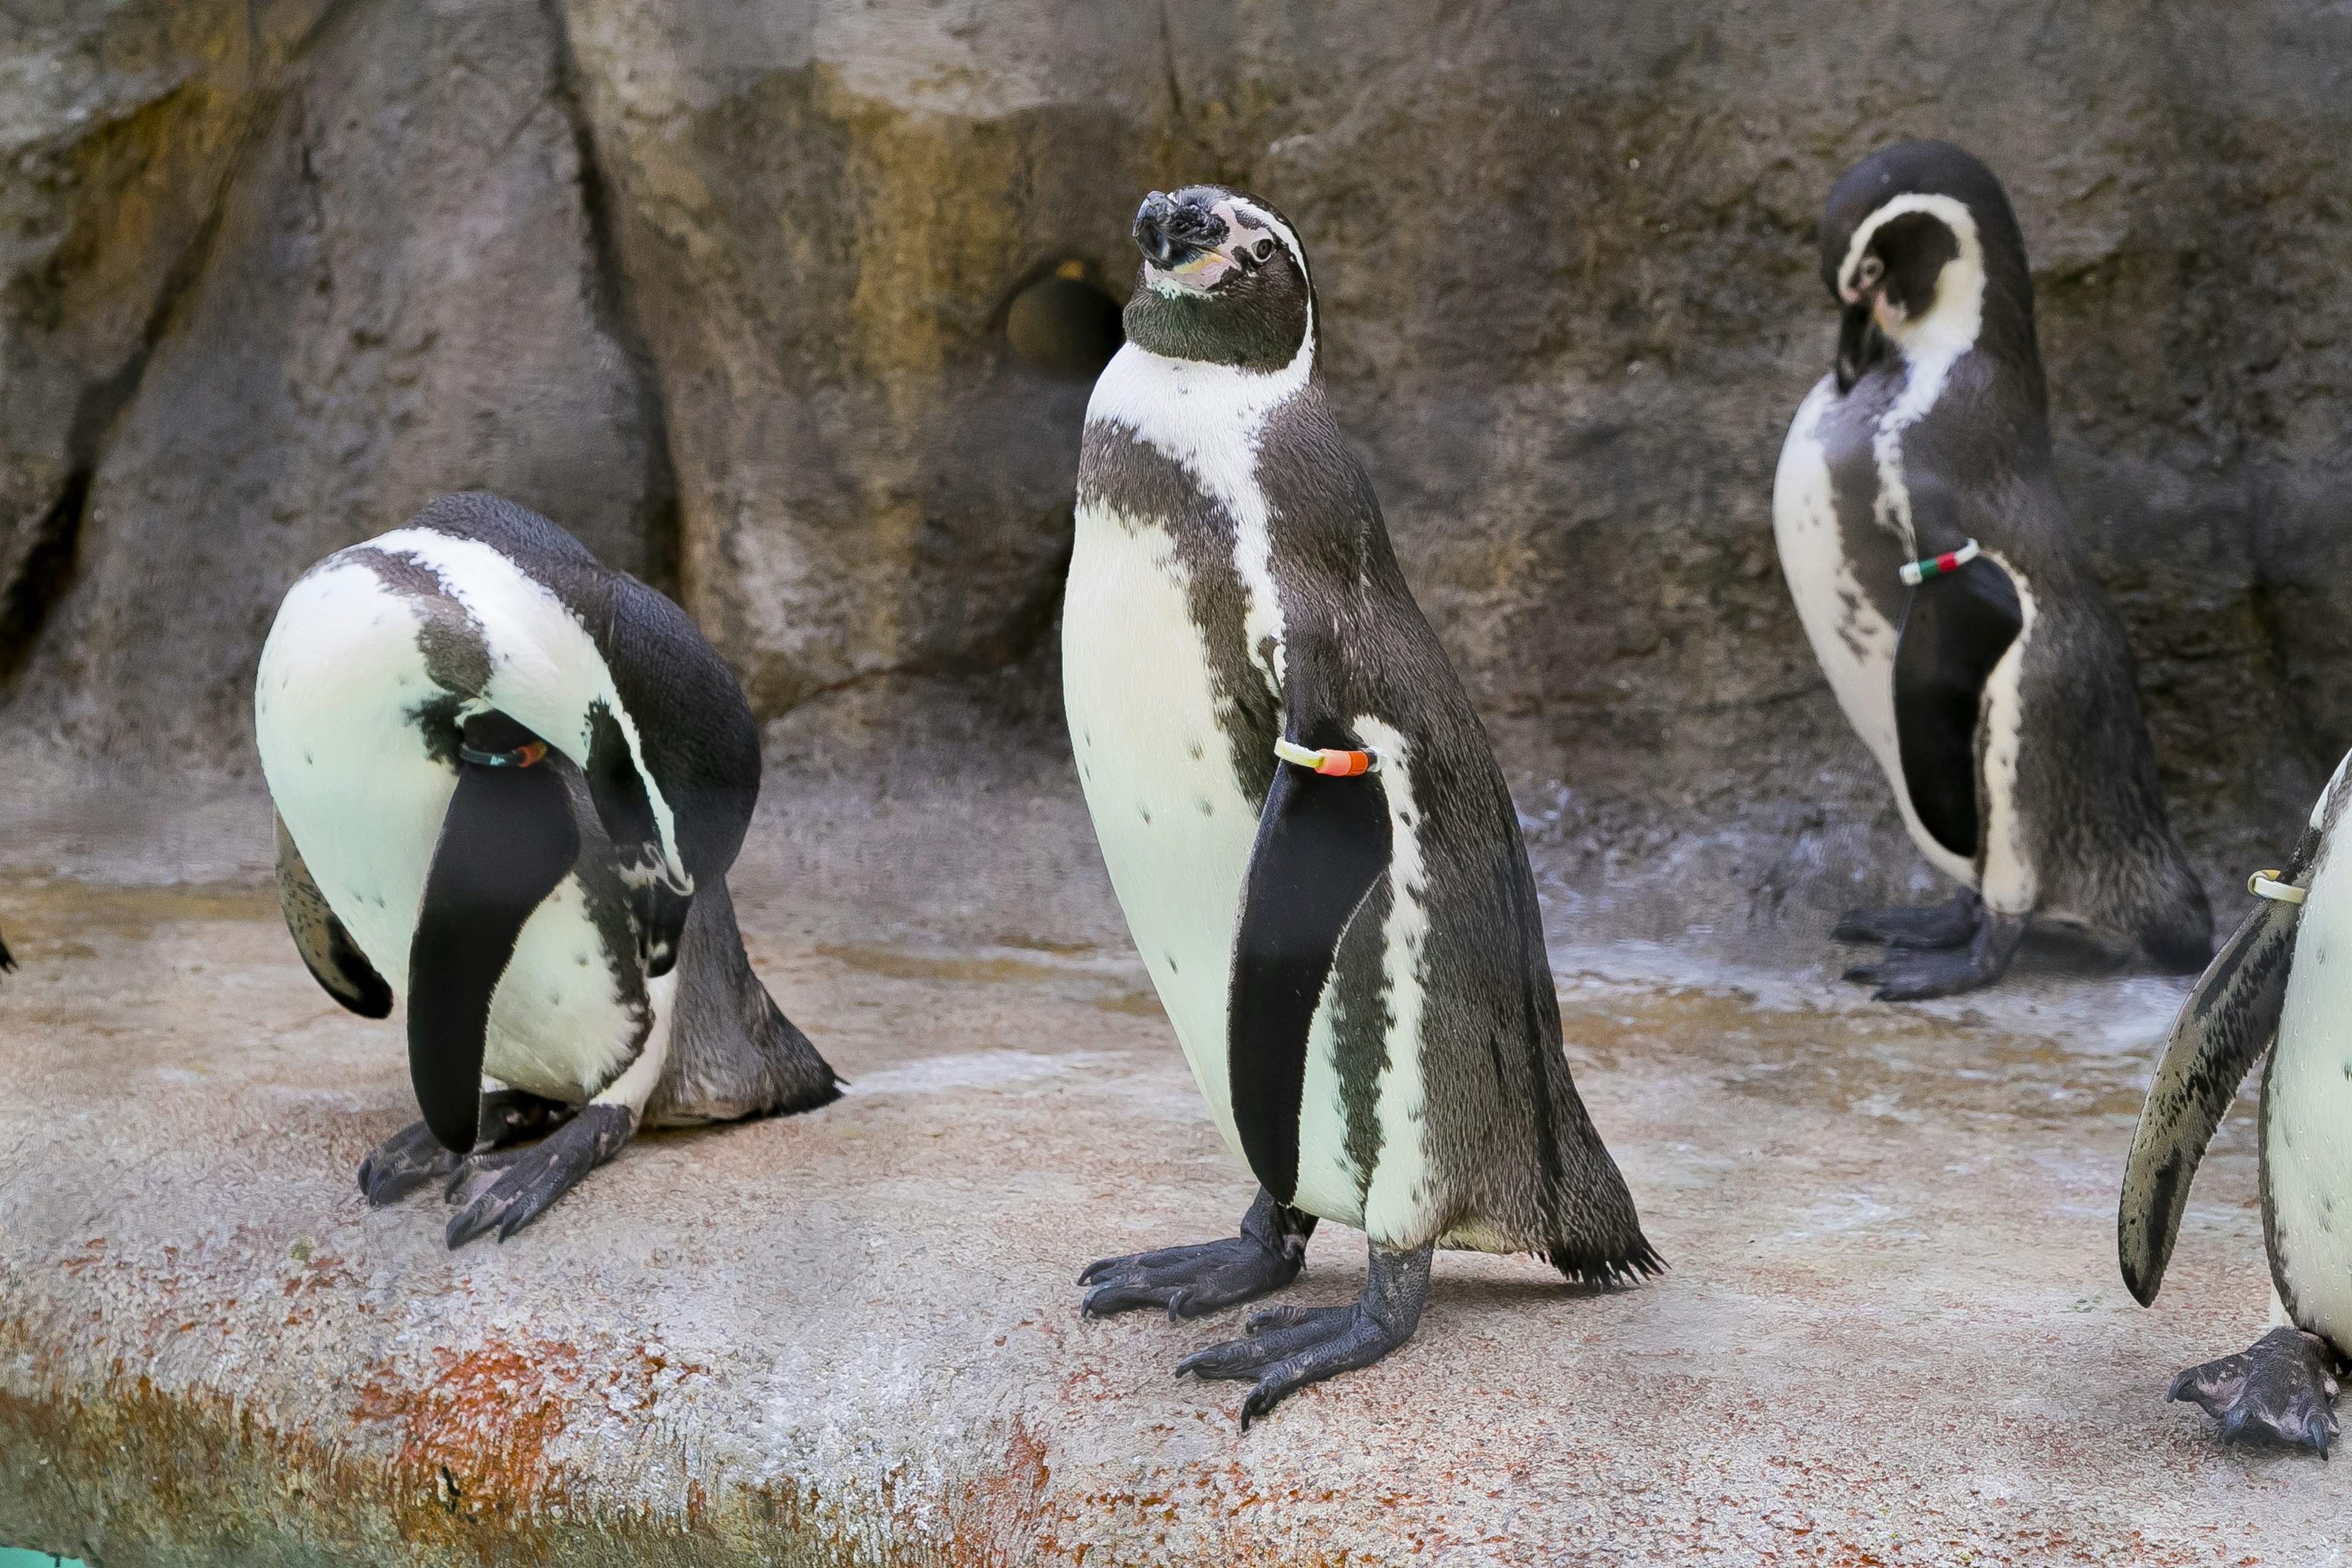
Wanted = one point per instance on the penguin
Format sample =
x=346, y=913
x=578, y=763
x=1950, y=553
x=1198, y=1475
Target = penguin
x=508, y=782
x=1950, y=602
x=1306, y=831
x=2270, y=988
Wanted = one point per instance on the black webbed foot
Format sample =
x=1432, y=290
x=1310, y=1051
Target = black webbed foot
x=401, y=1164
x=1948, y=924
x=2283, y=1391
x=506, y=1190
x=413, y=1156
x=1291, y=1347
x=1911, y=974
x=1191, y=1280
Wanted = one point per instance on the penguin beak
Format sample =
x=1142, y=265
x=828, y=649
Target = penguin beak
x=1179, y=241
x=1859, y=343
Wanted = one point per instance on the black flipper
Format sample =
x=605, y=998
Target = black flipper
x=505, y=844
x=1322, y=844
x=7, y=961
x=327, y=951
x=2223, y=1029
x=1955, y=630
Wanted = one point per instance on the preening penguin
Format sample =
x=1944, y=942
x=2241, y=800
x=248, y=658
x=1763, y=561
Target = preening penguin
x=1940, y=582
x=2271, y=987
x=1312, y=845
x=510, y=783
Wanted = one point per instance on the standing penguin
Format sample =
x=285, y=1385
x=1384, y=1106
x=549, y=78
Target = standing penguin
x=509, y=782
x=1315, y=850
x=1951, y=605
x=2270, y=988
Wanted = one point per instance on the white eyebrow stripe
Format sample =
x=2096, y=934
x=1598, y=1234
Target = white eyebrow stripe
x=1281, y=231
x=1953, y=212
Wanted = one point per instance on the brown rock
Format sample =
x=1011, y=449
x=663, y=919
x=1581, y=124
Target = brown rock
x=400, y=299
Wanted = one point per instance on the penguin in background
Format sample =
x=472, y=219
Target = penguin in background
x=1315, y=850
x=2271, y=989
x=1940, y=582
x=509, y=783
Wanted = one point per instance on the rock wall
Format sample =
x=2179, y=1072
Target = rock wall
x=725, y=289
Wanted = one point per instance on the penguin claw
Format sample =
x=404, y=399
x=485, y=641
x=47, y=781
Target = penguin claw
x=1912, y=974
x=2281, y=1392
x=401, y=1164
x=1187, y=1281
x=413, y=1156
x=506, y=1190
x=1291, y=1347
x=1287, y=1348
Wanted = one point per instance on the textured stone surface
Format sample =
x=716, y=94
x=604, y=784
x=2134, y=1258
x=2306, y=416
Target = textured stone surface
x=397, y=298
x=1570, y=299
x=1892, y=1330
x=1567, y=261
x=119, y=123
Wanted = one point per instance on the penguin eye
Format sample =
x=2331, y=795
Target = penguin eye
x=1871, y=270
x=1262, y=248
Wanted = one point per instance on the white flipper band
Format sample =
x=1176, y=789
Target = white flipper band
x=2266, y=885
x=1915, y=573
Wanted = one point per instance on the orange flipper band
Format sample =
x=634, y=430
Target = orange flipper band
x=1338, y=764
x=529, y=754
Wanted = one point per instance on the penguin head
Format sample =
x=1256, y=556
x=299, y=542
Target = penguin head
x=1923, y=255
x=1223, y=281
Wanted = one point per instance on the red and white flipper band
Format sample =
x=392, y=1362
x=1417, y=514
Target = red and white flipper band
x=1915, y=573
x=1338, y=764
x=2266, y=885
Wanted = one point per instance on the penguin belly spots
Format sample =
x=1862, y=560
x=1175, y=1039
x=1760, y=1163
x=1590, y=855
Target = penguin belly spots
x=1143, y=718
x=559, y=1027
x=2307, y=1128
x=1854, y=643
x=1397, y=1204
x=346, y=761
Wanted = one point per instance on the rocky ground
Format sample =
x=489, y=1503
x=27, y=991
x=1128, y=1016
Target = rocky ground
x=1891, y=1330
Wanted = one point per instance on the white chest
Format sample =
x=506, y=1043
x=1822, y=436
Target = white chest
x=348, y=773
x=1169, y=810
x=1853, y=642
x=2307, y=1132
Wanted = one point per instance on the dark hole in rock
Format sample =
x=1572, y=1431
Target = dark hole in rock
x=1065, y=325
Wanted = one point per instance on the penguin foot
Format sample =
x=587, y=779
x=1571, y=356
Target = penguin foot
x=2283, y=1392
x=1948, y=924
x=413, y=1156
x=1909, y=975
x=1191, y=1280
x=1291, y=1347
x=506, y=1190
x=401, y=1164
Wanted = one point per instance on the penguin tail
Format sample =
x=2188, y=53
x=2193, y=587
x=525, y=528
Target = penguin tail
x=1579, y=1264
x=804, y=1078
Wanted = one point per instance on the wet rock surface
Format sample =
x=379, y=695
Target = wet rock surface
x=1892, y=1328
